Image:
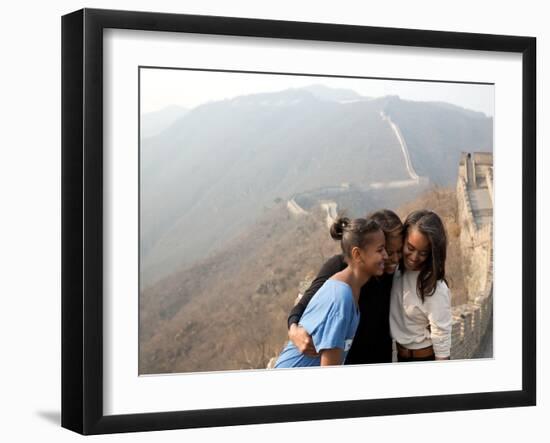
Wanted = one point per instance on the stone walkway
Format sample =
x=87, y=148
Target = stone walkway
x=482, y=206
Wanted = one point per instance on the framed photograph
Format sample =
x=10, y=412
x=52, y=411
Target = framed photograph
x=249, y=204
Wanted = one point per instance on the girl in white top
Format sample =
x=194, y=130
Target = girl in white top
x=420, y=306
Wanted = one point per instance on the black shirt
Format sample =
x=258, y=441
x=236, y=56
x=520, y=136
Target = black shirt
x=372, y=342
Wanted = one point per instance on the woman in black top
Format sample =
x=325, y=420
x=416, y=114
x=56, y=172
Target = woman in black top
x=372, y=342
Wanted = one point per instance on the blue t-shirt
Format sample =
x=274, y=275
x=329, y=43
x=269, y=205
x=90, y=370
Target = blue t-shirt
x=331, y=318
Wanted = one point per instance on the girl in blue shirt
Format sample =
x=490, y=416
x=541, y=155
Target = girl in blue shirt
x=332, y=316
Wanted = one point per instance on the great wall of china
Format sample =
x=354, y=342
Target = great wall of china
x=326, y=195
x=472, y=321
x=474, y=191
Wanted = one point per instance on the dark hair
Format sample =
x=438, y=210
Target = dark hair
x=388, y=220
x=429, y=224
x=353, y=233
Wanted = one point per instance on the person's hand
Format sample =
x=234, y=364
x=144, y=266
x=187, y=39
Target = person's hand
x=302, y=340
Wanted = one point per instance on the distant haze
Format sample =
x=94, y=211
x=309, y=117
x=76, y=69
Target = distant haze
x=153, y=123
x=161, y=88
x=211, y=173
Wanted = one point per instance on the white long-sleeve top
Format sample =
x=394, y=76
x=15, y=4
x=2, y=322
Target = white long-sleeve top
x=417, y=325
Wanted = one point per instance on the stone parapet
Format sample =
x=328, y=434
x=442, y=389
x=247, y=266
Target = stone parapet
x=470, y=322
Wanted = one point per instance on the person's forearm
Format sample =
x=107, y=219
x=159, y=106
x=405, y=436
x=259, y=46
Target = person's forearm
x=293, y=319
x=296, y=313
x=331, y=357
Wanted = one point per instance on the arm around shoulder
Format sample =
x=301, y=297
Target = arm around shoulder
x=330, y=267
x=302, y=340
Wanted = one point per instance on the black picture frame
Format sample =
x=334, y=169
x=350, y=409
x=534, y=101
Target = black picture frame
x=82, y=220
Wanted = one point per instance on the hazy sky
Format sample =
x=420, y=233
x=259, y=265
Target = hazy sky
x=164, y=87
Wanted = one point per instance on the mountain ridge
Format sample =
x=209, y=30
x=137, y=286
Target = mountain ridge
x=234, y=157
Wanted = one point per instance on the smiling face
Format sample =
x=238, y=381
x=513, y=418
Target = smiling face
x=394, y=247
x=372, y=257
x=416, y=250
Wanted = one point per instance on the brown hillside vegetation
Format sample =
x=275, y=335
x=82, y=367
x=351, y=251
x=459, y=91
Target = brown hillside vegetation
x=229, y=311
